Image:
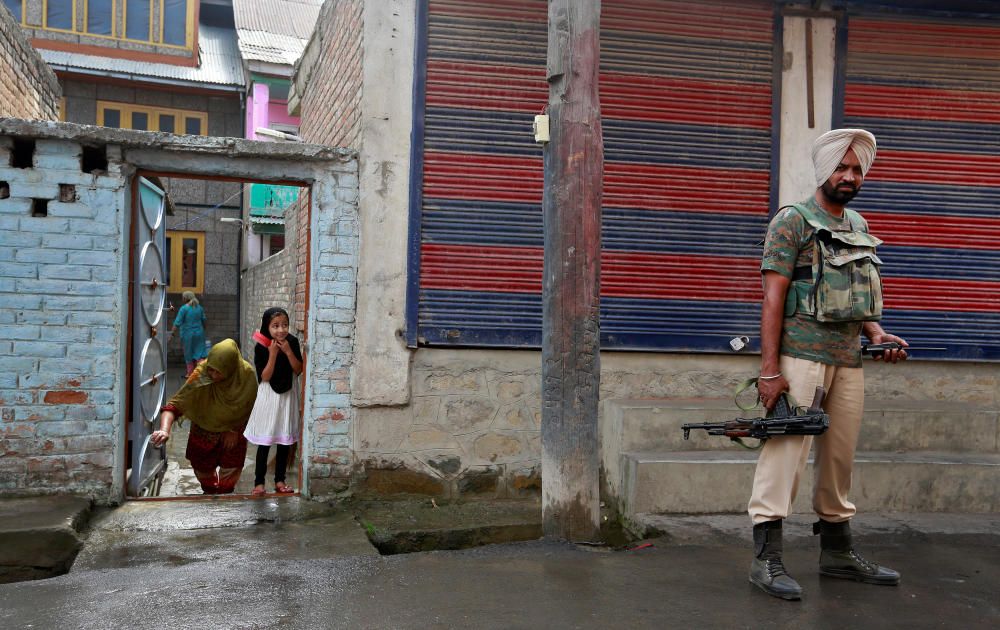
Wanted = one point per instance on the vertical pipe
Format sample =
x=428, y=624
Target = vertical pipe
x=571, y=205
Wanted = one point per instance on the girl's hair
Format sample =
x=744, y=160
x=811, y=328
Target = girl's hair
x=189, y=298
x=269, y=314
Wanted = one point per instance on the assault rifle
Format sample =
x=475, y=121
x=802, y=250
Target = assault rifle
x=784, y=420
x=876, y=349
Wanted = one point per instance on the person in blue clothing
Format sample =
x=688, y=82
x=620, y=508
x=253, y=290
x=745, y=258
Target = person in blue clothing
x=191, y=322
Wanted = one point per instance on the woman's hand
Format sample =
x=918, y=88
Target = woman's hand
x=273, y=349
x=160, y=437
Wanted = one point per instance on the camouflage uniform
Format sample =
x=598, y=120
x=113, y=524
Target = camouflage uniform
x=812, y=353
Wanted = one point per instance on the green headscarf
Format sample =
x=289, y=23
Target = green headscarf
x=222, y=406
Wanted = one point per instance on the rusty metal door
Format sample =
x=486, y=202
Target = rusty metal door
x=147, y=463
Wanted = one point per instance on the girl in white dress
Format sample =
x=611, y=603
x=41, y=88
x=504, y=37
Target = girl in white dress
x=275, y=416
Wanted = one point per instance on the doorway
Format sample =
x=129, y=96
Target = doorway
x=237, y=247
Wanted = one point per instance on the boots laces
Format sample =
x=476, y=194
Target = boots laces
x=775, y=567
x=867, y=565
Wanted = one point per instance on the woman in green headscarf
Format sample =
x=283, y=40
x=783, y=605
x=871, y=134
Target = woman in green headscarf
x=218, y=398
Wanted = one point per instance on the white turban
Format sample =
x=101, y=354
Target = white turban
x=830, y=148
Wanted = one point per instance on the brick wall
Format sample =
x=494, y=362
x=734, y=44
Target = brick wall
x=329, y=76
x=333, y=290
x=279, y=280
x=29, y=88
x=61, y=305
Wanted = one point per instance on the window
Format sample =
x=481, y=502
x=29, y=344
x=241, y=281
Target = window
x=129, y=116
x=174, y=21
x=16, y=8
x=185, y=261
x=60, y=14
x=137, y=19
x=157, y=22
x=100, y=16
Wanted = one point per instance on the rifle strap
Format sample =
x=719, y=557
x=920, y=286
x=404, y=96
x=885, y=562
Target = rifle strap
x=792, y=404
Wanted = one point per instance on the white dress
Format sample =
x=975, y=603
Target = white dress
x=275, y=417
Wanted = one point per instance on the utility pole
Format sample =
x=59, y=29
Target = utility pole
x=571, y=204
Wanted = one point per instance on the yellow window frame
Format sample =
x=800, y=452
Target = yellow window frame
x=175, y=242
x=86, y=20
x=189, y=23
x=152, y=7
x=153, y=114
x=118, y=26
x=45, y=17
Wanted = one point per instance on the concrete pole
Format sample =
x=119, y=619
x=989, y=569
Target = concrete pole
x=571, y=369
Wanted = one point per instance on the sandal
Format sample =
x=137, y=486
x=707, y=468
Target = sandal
x=258, y=491
x=283, y=488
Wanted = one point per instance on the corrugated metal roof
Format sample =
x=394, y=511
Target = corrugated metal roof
x=275, y=31
x=219, y=58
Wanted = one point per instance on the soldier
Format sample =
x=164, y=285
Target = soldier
x=822, y=289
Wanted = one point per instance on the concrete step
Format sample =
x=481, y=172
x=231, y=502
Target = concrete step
x=655, y=425
x=40, y=536
x=705, y=482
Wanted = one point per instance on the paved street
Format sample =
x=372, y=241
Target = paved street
x=246, y=565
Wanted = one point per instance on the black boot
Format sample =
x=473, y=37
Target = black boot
x=838, y=558
x=766, y=569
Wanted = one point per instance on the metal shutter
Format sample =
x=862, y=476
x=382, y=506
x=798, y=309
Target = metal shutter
x=929, y=89
x=686, y=91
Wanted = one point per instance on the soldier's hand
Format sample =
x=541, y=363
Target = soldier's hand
x=770, y=389
x=890, y=356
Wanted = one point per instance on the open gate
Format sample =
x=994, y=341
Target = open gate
x=147, y=463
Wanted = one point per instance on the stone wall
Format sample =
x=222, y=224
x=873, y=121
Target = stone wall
x=472, y=428
x=62, y=305
x=328, y=76
x=225, y=114
x=29, y=88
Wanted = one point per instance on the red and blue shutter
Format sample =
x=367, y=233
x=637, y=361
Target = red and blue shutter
x=686, y=97
x=929, y=89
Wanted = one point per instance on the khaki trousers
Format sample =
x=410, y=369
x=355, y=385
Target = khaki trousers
x=783, y=459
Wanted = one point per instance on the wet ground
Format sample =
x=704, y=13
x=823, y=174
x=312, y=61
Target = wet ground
x=286, y=563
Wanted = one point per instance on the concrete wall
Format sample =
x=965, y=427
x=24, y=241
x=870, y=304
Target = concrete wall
x=29, y=88
x=355, y=86
x=63, y=301
x=796, y=174
x=63, y=289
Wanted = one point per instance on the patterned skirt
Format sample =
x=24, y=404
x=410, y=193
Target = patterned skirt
x=206, y=450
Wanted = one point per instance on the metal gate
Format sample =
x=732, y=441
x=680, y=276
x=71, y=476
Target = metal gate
x=928, y=87
x=686, y=101
x=147, y=463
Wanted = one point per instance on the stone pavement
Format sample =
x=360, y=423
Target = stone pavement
x=287, y=563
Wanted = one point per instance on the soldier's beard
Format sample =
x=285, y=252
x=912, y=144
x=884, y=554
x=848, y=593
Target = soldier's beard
x=841, y=194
